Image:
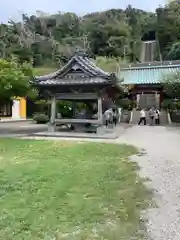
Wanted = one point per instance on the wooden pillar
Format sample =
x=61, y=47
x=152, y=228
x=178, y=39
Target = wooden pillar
x=138, y=100
x=73, y=109
x=157, y=96
x=51, y=127
x=100, y=110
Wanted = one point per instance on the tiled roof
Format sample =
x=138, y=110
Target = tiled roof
x=72, y=81
x=89, y=74
x=147, y=74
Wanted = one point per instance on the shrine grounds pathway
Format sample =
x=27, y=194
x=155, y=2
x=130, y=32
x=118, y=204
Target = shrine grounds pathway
x=20, y=128
x=160, y=163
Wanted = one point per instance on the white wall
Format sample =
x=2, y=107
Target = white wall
x=16, y=109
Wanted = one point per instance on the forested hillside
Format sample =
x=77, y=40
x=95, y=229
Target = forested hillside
x=49, y=40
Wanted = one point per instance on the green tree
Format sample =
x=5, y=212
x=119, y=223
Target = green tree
x=171, y=85
x=174, y=53
x=52, y=39
x=14, y=79
x=168, y=27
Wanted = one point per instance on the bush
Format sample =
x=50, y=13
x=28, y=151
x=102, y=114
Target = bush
x=65, y=108
x=168, y=105
x=126, y=104
x=41, y=118
x=132, y=105
x=178, y=105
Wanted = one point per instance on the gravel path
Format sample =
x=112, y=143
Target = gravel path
x=161, y=165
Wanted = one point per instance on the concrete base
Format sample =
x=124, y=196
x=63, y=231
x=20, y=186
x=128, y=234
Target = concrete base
x=51, y=128
x=102, y=133
x=13, y=120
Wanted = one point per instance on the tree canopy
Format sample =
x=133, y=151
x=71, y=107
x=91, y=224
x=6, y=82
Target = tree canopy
x=171, y=85
x=51, y=39
x=14, y=79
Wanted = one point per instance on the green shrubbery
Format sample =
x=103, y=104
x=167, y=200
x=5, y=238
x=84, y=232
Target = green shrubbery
x=170, y=105
x=41, y=118
x=126, y=104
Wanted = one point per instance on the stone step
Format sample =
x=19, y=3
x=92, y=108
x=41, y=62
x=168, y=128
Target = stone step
x=147, y=51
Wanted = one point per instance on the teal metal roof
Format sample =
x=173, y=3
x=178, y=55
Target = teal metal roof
x=146, y=74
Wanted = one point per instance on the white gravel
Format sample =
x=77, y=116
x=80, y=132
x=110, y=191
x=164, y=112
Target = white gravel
x=161, y=165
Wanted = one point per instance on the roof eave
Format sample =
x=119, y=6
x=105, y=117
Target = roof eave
x=106, y=83
x=145, y=83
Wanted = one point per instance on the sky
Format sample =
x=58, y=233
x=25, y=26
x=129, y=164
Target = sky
x=10, y=10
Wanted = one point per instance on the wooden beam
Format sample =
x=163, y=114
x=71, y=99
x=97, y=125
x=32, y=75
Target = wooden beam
x=100, y=111
x=74, y=109
x=76, y=96
x=74, y=120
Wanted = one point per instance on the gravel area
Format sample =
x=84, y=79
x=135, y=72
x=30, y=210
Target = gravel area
x=161, y=165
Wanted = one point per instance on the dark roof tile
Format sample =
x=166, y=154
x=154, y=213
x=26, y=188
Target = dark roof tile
x=92, y=74
x=73, y=81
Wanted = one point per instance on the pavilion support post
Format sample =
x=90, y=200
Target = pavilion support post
x=100, y=110
x=74, y=109
x=51, y=127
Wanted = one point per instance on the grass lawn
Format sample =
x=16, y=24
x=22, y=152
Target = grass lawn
x=67, y=190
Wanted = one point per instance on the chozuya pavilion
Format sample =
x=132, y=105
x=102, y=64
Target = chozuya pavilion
x=80, y=80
